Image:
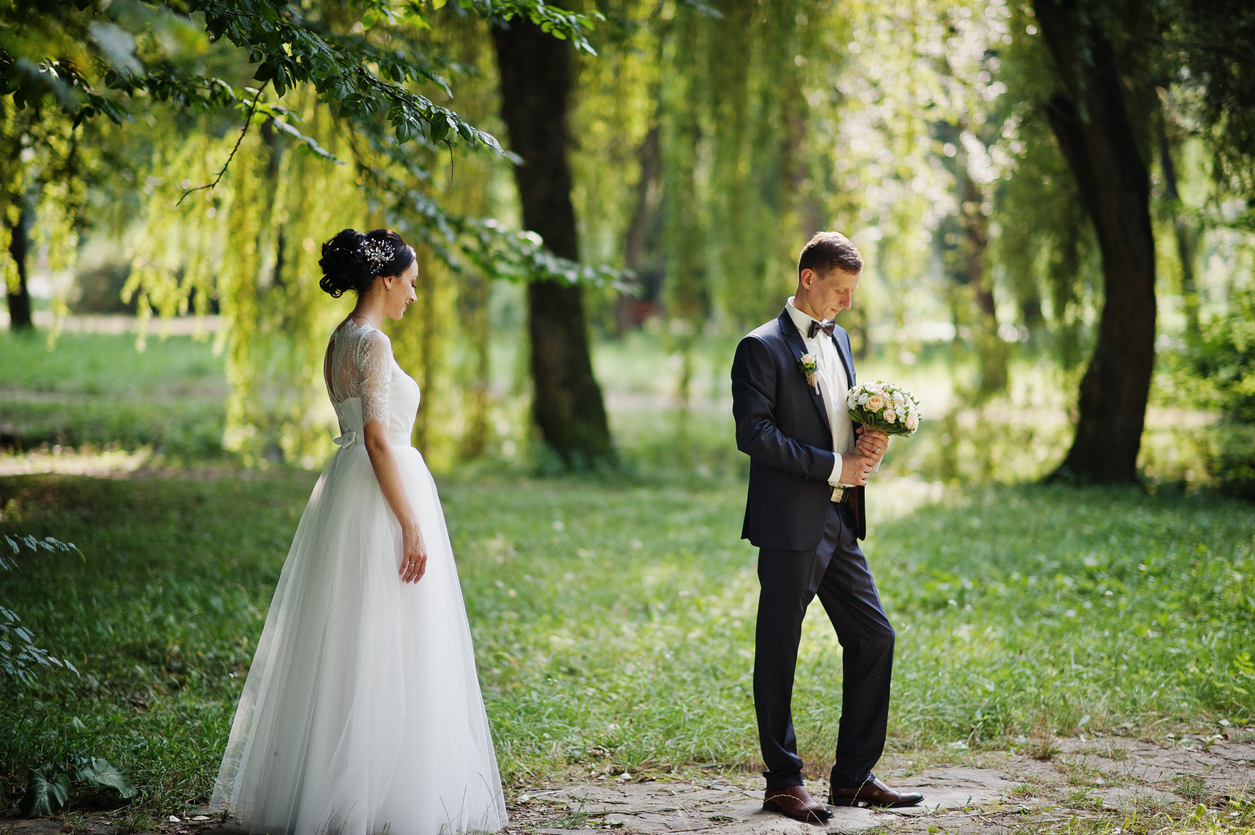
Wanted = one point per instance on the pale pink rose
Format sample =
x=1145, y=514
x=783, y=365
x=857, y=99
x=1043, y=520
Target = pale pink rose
x=875, y=403
x=890, y=416
x=912, y=421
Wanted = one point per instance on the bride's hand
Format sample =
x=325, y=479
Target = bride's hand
x=414, y=556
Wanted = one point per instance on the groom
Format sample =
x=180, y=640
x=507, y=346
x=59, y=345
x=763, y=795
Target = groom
x=805, y=513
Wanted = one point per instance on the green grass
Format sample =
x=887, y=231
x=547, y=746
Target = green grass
x=185, y=429
x=613, y=615
x=109, y=364
x=97, y=390
x=614, y=620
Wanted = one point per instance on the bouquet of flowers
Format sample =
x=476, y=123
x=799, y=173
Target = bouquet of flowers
x=883, y=406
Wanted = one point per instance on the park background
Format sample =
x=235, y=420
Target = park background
x=1054, y=204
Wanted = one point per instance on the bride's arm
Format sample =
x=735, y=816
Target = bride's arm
x=388, y=474
x=375, y=366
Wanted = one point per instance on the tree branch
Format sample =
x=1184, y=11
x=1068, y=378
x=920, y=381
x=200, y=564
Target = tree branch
x=252, y=108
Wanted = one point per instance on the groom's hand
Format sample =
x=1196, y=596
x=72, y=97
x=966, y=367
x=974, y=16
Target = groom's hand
x=872, y=444
x=855, y=468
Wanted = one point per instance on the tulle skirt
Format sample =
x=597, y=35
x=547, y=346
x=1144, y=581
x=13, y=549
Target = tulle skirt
x=362, y=711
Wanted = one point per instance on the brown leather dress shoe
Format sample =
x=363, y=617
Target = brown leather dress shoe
x=796, y=802
x=873, y=793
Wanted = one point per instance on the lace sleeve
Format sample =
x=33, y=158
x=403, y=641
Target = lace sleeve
x=374, y=364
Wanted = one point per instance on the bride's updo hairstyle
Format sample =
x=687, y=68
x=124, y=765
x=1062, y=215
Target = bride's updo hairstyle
x=352, y=259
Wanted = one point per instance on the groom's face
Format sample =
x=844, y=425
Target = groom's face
x=829, y=293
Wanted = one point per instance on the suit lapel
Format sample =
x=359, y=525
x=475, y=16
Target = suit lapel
x=797, y=348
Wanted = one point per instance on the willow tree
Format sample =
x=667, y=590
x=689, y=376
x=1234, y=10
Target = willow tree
x=236, y=211
x=536, y=73
x=46, y=165
x=922, y=150
x=701, y=150
x=1108, y=58
x=1098, y=116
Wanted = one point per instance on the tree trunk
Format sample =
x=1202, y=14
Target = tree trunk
x=650, y=156
x=639, y=249
x=1091, y=120
x=991, y=350
x=19, y=298
x=1185, y=235
x=536, y=76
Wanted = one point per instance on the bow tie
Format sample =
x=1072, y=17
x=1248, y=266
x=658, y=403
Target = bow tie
x=827, y=326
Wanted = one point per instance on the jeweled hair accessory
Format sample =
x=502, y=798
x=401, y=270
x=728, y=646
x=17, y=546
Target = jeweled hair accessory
x=378, y=253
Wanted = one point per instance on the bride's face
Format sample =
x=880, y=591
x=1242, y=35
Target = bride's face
x=399, y=292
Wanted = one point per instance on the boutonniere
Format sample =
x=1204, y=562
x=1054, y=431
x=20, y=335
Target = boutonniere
x=809, y=366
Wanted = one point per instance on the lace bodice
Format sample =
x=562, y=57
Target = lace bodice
x=365, y=383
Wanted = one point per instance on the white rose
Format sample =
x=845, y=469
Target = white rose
x=851, y=401
x=808, y=358
x=899, y=402
x=912, y=422
x=890, y=416
x=862, y=399
x=875, y=403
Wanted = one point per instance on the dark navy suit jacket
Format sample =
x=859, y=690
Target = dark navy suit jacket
x=782, y=425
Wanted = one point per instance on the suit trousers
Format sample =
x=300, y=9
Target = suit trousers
x=837, y=572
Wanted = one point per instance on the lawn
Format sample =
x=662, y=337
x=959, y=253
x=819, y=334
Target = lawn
x=613, y=619
x=613, y=614
x=98, y=390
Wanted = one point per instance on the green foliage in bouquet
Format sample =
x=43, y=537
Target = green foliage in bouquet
x=884, y=406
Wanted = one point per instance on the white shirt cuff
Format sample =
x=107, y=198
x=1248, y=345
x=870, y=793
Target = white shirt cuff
x=834, y=480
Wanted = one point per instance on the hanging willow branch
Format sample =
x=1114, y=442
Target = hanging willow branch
x=252, y=108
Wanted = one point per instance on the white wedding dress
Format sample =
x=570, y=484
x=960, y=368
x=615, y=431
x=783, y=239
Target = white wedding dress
x=362, y=712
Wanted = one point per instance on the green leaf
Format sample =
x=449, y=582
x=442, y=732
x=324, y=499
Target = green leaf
x=439, y=128
x=98, y=771
x=44, y=796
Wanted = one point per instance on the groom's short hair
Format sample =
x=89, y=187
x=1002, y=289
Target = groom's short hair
x=829, y=251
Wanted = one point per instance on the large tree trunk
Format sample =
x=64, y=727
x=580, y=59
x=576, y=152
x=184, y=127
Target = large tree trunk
x=19, y=298
x=536, y=74
x=1092, y=122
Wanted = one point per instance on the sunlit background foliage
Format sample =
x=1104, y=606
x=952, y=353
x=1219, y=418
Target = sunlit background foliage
x=707, y=142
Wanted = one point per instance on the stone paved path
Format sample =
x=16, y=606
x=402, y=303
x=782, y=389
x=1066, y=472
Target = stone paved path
x=1107, y=778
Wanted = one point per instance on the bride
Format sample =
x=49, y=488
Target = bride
x=362, y=713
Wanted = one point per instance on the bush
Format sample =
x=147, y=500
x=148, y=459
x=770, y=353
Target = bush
x=1232, y=458
x=1225, y=360
x=100, y=290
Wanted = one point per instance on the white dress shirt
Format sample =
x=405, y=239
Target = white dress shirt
x=833, y=385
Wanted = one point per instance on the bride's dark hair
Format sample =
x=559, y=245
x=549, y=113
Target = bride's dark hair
x=352, y=259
